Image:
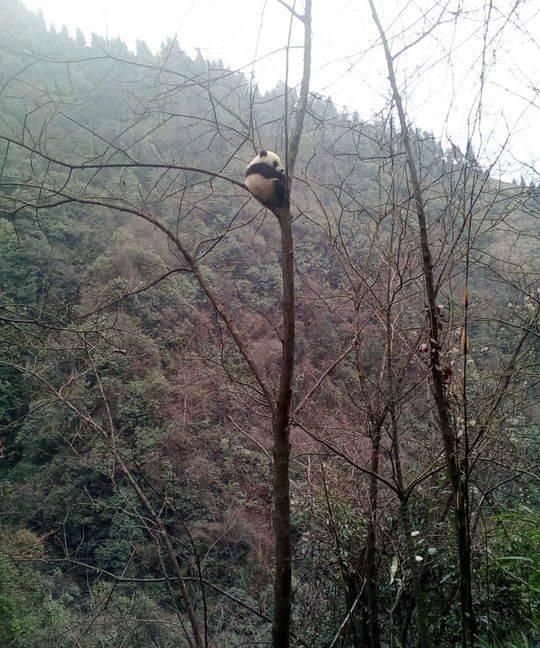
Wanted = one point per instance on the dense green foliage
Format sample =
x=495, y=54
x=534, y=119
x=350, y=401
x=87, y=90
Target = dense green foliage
x=102, y=363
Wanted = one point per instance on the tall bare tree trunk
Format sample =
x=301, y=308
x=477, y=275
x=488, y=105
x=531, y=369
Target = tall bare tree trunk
x=281, y=447
x=281, y=412
x=452, y=463
x=371, y=542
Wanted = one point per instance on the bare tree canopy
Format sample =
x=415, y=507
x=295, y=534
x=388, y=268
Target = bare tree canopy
x=313, y=425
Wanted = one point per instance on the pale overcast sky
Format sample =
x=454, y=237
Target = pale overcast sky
x=440, y=76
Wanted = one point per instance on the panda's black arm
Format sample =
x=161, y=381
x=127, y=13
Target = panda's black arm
x=282, y=195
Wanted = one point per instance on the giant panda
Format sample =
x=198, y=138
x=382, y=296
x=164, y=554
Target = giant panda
x=265, y=179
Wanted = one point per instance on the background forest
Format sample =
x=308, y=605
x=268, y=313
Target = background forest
x=141, y=341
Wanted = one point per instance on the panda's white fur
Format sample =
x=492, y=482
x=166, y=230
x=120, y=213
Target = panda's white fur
x=265, y=179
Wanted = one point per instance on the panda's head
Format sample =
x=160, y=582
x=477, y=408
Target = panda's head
x=269, y=158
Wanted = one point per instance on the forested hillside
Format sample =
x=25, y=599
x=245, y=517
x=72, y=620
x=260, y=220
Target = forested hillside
x=143, y=322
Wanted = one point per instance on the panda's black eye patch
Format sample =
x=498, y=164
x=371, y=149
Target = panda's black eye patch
x=275, y=163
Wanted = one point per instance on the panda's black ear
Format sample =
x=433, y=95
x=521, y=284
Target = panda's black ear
x=263, y=153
